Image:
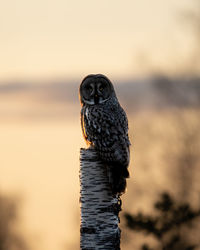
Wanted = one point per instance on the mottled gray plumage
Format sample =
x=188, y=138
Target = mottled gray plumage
x=105, y=127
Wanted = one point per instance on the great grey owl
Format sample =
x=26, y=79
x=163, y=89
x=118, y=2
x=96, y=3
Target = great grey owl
x=105, y=127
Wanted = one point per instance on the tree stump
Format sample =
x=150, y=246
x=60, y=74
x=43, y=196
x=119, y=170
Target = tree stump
x=99, y=208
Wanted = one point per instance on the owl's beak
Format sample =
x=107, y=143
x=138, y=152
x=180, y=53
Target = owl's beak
x=96, y=99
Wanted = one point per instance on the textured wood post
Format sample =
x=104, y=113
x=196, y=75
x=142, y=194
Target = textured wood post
x=99, y=208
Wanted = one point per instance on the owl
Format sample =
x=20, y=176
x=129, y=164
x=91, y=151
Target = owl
x=105, y=128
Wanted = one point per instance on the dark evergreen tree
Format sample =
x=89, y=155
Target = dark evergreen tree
x=166, y=226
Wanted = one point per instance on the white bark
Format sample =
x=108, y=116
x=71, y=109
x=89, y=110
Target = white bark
x=99, y=208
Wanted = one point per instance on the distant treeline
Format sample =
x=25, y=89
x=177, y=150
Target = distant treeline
x=150, y=93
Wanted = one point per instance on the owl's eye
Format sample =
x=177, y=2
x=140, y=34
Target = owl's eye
x=89, y=88
x=101, y=87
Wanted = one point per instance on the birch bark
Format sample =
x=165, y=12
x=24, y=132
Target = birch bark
x=99, y=208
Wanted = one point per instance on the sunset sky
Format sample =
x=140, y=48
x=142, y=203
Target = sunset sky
x=68, y=39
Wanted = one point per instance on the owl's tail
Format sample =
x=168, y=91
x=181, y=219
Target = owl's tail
x=118, y=173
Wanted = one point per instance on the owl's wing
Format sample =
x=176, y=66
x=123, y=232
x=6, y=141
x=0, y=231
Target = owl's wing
x=107, y=130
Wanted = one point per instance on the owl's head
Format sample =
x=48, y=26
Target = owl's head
x=95, y=89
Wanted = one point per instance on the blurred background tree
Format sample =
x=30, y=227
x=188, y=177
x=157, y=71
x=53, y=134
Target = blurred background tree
x=166, y=225
x=10, y=236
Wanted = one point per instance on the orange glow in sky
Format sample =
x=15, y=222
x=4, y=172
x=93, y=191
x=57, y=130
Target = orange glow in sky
x=45, y=39
x=40, y=162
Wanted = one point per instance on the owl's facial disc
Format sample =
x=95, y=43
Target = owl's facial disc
x=95, y=89
x=87, y=90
